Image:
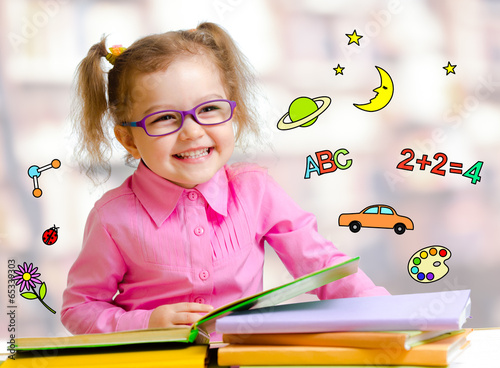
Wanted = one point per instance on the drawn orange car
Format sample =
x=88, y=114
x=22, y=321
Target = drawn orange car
x=380, y=216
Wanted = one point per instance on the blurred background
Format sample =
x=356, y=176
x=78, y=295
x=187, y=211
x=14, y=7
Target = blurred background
x=294, y=47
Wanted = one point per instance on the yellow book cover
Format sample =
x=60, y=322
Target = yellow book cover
x=437, y=353
x=383, y=339
x=185, y=356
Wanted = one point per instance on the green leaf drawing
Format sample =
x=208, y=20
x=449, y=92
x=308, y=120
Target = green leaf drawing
x=28, y=295
x=43, y=290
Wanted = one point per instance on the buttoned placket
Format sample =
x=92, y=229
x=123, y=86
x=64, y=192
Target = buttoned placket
x=201, y=256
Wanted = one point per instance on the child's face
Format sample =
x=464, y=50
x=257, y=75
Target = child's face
x=187, y=82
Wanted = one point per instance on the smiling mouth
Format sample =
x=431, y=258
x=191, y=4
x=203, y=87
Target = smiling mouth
x=194, y=154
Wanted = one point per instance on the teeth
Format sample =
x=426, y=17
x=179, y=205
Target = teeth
x=193, y=154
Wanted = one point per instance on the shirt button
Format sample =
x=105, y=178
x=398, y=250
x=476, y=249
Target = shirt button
x=199, y=300
x=199, y=231
x=204, y=275
x=193, y=196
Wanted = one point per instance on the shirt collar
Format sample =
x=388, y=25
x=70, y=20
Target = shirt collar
x=159, y=196
x=215, y=191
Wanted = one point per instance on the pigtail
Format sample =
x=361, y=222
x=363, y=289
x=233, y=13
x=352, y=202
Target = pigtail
x=240, y=77
x=90, y=114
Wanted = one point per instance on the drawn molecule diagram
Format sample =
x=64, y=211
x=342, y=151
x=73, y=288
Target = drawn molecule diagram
x=34, y=172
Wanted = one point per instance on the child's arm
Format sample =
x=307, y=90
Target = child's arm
x=92, y=284
x=293, y=234
x=95, y=278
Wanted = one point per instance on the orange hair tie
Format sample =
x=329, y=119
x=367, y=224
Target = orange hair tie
x=115, y=51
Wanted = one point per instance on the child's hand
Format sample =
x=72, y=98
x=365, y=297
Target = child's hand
x=177, y=315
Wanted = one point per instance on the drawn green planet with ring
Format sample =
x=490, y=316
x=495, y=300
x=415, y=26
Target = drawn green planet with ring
x=303, y=112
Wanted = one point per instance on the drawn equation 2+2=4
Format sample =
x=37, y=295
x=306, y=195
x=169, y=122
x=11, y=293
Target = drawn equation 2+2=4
x=441, y=158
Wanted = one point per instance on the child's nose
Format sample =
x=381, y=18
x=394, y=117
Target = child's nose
x=191, y=129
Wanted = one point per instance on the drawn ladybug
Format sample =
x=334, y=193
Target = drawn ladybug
x=50, y=236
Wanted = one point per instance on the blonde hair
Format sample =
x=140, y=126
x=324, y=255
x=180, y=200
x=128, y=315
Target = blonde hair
x=100, y=102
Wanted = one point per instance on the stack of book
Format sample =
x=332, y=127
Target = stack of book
x=261, y=332
x=177, y=348
x=412, y=329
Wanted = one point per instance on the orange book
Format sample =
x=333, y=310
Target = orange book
x=437, y=353
x=384, y=339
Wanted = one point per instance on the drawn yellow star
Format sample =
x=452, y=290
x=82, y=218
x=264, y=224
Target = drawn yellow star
x=339, y=69
x=353, y=38
x=449, y=68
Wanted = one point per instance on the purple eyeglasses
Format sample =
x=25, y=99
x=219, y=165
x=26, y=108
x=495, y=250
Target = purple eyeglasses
x=170, y=121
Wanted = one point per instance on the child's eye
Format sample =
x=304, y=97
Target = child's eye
x=166, y=117
x=208, y=108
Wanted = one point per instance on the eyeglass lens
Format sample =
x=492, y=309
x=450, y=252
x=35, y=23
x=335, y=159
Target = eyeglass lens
x=164, y=122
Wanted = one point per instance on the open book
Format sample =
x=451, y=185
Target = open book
x=199, y=332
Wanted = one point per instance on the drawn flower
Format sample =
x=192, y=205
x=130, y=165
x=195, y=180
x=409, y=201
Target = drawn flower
x=27, y=277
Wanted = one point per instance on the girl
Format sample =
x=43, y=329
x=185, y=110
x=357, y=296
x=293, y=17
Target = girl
x=185, y=232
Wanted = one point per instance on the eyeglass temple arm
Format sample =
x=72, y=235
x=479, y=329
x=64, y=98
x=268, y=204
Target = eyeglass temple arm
x=132, y=124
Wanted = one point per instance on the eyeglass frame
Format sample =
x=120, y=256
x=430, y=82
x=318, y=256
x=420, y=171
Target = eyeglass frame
x=142, y=123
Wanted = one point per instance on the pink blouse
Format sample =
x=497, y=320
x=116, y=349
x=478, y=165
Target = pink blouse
x=150, y=242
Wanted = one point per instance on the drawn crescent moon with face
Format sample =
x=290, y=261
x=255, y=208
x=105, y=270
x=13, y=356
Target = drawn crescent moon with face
x=384, y=93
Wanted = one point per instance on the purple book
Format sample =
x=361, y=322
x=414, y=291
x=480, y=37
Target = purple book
x=447, y=310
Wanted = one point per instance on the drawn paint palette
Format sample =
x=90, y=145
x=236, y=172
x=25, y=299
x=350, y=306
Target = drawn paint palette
x=428, y=264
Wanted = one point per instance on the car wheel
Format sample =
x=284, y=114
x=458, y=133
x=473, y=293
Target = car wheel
x=355, y=226
x=399, y=229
